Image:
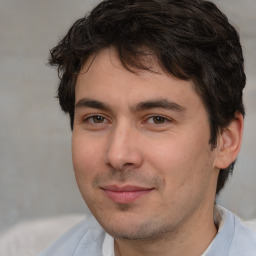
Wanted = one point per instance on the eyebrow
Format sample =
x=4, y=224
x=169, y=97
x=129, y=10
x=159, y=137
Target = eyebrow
x=89, y=103
x=145, y=105
x=162, y=103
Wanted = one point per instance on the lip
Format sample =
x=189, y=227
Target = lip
x=125, y=194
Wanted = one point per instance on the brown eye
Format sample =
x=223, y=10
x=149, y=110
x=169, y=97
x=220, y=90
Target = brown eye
x=157, y=120
x=97, y=119
x=95, y=122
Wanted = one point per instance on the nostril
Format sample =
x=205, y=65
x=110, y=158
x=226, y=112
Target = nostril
x=128, y=164
x=109, y=166
x=123, y=167
x=122, y=154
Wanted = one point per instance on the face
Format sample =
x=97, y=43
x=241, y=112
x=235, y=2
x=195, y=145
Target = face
x=141, y=151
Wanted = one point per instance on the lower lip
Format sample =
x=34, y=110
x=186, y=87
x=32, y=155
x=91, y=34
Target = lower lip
x=126, y=196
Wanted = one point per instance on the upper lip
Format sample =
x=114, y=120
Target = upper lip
x=126, y=188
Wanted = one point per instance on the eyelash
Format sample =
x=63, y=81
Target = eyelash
x=87, y=119
x=160, y=118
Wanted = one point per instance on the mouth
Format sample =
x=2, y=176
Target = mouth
x=125, y=194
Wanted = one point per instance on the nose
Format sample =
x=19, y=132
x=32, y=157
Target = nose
x=123, y=149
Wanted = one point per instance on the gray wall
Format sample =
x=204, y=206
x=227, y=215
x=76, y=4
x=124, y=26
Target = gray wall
x=36, y=177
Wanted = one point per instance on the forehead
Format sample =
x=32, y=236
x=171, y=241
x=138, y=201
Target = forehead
x=104, y=77
x=145, y=60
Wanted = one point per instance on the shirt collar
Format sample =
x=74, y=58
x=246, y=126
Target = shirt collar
x=108, y=246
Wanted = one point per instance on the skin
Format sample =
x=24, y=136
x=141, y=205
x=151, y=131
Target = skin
x=149, y=131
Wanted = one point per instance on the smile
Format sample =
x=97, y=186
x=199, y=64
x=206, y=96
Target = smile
x=126, y=194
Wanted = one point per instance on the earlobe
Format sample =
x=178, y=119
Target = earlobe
x=229, y=143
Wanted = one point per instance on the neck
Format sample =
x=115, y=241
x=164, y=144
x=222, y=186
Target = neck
x=191, y=239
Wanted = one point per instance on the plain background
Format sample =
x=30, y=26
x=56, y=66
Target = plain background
x=36, y=176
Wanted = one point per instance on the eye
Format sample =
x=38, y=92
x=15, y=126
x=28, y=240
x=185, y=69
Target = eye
x=96, y=119
x=95, y=122
x=157, y=120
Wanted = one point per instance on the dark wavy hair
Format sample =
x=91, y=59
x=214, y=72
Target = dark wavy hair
x=191, y=40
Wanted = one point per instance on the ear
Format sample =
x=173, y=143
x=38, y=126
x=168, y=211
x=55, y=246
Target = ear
x=229, y=142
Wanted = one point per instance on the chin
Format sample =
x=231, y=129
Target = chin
x=131, y=228
x=138, y=234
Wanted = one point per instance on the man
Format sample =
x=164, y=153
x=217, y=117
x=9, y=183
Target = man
x=153, y=89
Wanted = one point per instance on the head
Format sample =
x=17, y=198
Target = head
x=191, y=40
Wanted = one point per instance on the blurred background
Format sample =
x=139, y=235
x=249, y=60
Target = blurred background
x=36, y=176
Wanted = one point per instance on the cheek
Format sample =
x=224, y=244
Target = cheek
x=179, y=161
x=168, y=155
x=86, y=158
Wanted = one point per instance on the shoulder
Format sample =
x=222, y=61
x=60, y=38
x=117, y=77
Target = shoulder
x=244, y=240
x=244, y=236
x=86, y=236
